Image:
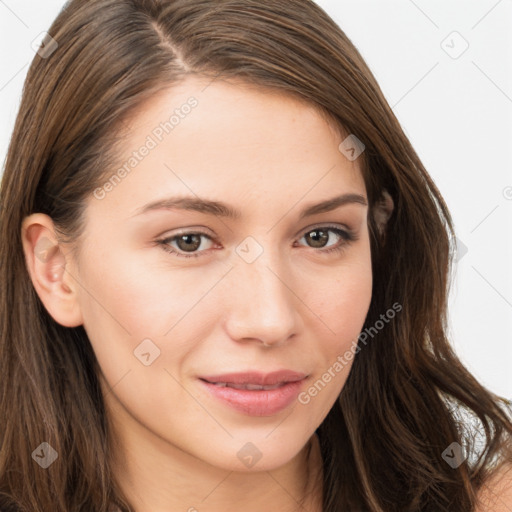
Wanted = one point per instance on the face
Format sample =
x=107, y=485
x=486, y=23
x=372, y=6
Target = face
x=173, y=293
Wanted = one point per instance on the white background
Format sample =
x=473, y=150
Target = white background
x=457, y=112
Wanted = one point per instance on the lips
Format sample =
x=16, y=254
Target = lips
x=255, y=393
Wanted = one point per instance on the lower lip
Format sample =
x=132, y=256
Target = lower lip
x=257, y=402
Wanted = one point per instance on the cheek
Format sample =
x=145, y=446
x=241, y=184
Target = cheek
x=342, y=295
x=141, y=297
x=126, y=301
x=343, y=303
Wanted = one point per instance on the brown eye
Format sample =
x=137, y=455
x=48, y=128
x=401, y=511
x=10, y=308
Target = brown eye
x=188, y=242
x=186, y=245
x=322, y=238
x=317, y=238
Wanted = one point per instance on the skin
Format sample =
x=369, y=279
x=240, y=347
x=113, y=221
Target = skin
x=294, y=307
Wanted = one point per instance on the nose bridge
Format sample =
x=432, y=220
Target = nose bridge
x=262, y=305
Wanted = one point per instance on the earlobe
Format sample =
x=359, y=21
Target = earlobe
x=47, y=265
x=383, y=211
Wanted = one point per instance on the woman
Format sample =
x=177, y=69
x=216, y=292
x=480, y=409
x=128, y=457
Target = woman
x=225, y=277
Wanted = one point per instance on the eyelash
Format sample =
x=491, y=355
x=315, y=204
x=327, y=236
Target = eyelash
x=346, y=235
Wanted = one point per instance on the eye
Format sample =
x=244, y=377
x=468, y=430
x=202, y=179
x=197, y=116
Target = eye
x=320, y=237
x=186, y=243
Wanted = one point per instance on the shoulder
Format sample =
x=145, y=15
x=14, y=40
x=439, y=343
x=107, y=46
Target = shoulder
x=496, y=494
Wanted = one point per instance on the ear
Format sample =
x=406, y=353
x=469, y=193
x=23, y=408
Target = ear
x=47, y=266
x=382, y=211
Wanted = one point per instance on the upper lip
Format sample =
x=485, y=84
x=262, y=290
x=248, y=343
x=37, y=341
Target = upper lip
x=255, y=377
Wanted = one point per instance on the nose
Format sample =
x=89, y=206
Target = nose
x=262, y=305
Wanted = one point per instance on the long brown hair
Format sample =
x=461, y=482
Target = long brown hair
x=383, y=441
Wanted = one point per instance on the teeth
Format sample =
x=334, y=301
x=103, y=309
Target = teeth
x=249, y=387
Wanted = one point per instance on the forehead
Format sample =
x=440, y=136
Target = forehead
x=228, y=141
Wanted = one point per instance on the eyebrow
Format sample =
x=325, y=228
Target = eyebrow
x=220, y=209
